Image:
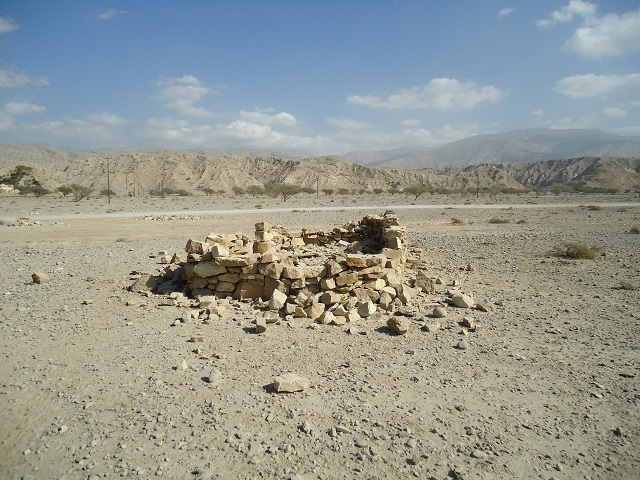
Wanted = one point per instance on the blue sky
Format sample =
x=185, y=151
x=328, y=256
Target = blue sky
x=321, y=77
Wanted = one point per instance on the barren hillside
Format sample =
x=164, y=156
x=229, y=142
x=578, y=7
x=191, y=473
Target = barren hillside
x=147, y=171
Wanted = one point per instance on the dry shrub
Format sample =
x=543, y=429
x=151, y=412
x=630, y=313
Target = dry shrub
x=576, y=251
x=594, y=208
x=457, y=221
x=635, y=230
x=499, y=220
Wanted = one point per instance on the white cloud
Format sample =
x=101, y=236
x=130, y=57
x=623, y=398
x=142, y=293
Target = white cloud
x=347, y=123
x=7, y=24
x=110, y=13
x=22, y=108
x=411, y=122
x=597, y=119
x=590, y=85
x=180, y=133
x=537, y=113
x=631, y=130
x=439, y=93
x=506, y=11
x=10, y=78
x=608, y=36
x=106, y=118
x=181, y=94
x=575, y=8
x=262, y=117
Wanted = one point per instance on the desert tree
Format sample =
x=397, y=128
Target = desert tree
x=378, y=191
x=328, y=191
x=208, y=191
x=64, y=190
x=80, y=191
x=107, y=193
x=343, y=191
x=284, y=190
x=416, y=191
x=255, y=190
x=238, y=190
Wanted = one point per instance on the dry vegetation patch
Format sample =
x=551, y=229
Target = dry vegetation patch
x=577, y=251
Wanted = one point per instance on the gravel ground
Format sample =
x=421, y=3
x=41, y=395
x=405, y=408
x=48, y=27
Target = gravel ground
x=93, y=381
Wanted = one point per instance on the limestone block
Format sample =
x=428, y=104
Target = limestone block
x=366, y=309
x=311, y=271
x=264, y=247
x=216, y=238
x=198, y=283
x=407, y=293
x=225, y=287
x=297, y=242
x=394, y=243
x=357, y=260
x=293, y=272
x=299, y=312
x=261, y=325
x=194, y=246
x=393, y=279
x=219, y=251
x=208, y=301
x=263, y=227
x=327, y=283
x=236, y=260
x=339, y=310
x=290, y=382
x=461, y=300
x=264, y=236
x=330, y=298
x=230, y=277
x=273, y=270
x=390, y=291
x=272, y=284
x=353, y=316
x=385, y=300
x=326, y=318
x=392, y=254
x=377, y=284
x=208, y=269
x=333, y=268
x=246, y=289
x=339, y=321
x=346, y=278
x=277, y=301
x=399, y=325
x=314, y=311
x=298, y=283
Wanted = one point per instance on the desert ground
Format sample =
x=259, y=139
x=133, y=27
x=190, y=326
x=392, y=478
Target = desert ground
x=100, y=382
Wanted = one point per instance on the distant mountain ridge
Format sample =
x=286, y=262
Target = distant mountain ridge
x=185, y=170
x=527, y=145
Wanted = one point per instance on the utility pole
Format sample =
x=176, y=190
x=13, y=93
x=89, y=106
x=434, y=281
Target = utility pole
x=126, y=184
x=317, y=187
x=477, y=184
x=108, y=182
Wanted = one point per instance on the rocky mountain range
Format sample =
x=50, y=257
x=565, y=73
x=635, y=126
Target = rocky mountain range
x=528, y=145
x=193, y=172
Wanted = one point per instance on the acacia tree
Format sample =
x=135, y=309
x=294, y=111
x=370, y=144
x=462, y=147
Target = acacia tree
x=79, y=191
x=416, y=190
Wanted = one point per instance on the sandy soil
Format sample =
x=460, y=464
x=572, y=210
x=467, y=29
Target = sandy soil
x=91, y=387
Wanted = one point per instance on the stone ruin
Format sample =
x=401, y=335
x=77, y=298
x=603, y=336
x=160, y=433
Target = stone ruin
x=349, y=273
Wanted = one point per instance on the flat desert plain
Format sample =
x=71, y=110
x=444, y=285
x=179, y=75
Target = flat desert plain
x=99, y=382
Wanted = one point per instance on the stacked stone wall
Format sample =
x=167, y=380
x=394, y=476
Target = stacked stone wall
x=352, y=269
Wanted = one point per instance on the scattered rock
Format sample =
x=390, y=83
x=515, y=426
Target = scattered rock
x=215, y=376
x=439, y=312
x=39, y=277
x=291, y=382
x=399, y=325
x=462, y=300
x=462, y=345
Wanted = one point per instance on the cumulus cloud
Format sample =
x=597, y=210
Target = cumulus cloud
x=537, y=113
x=439, y=93
x=575, y=8
x=597, y=119
x=7, y=24
x=11, y=111
x=181, y=93
x=110, y=13
x=505, y=11
x=261, y=117
x=107, y=118
x=181, y=133
x=599, y=36
x=609, y=36
x=10, y=78
x=411, y=122
x=590, y=85
x=347, y=123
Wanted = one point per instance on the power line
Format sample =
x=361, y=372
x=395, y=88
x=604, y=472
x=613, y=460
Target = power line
x=54, y=119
